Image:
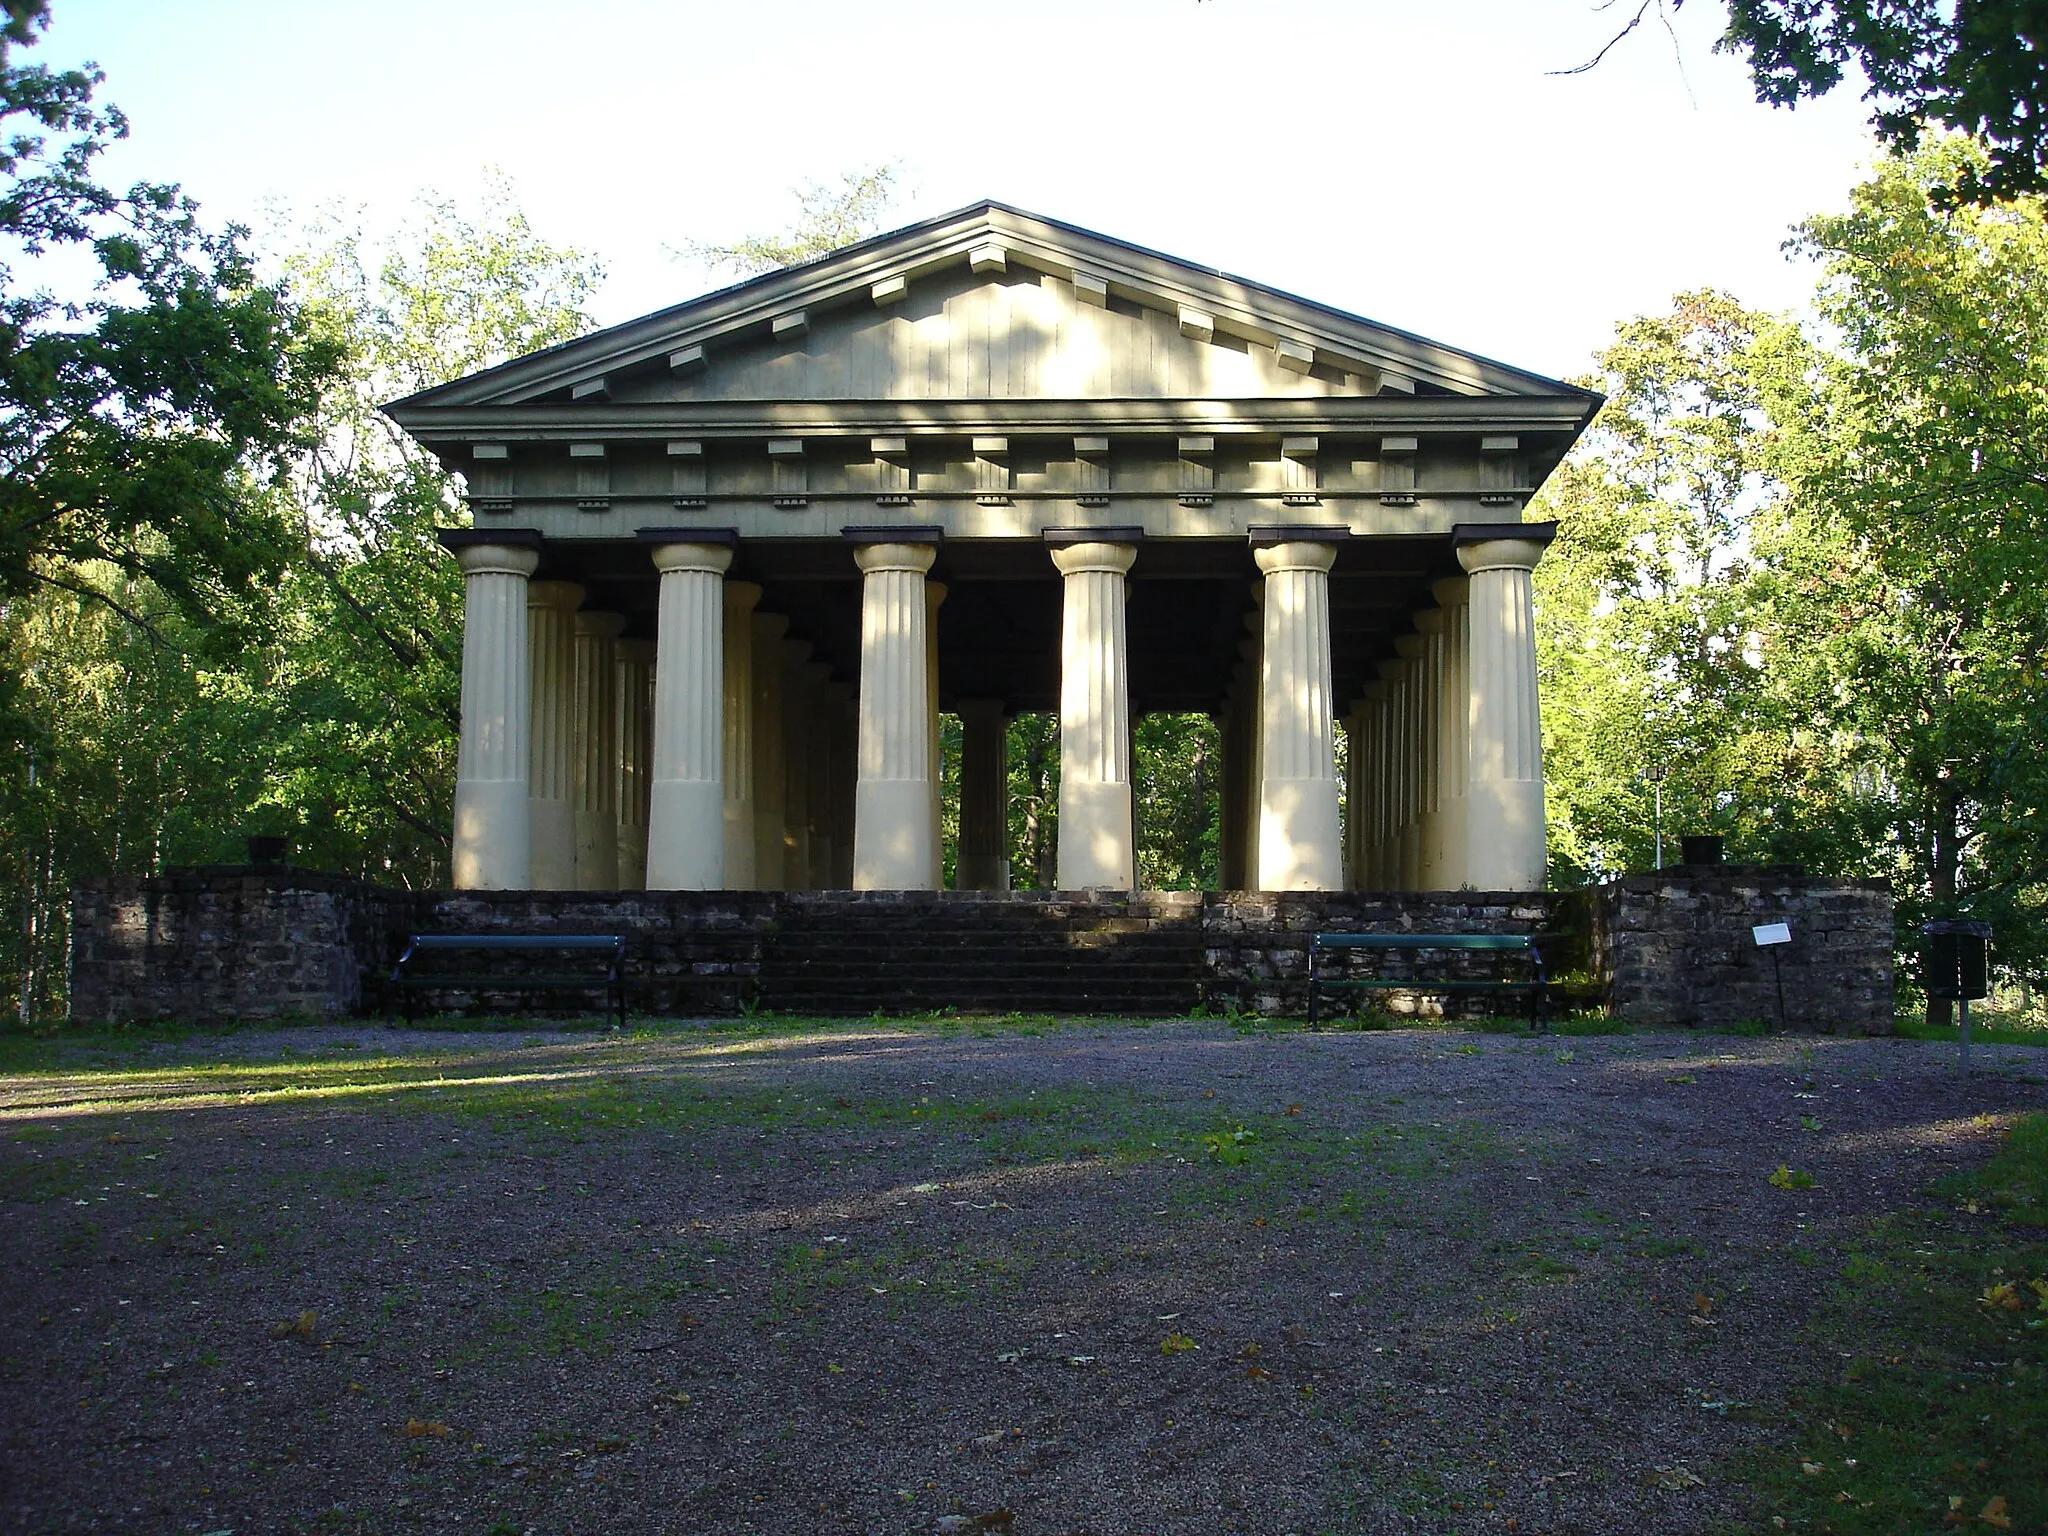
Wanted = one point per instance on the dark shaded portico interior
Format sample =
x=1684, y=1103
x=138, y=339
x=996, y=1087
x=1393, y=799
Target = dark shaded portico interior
x=1189, y=609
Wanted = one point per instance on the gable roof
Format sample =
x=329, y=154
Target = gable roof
x=1304, y=334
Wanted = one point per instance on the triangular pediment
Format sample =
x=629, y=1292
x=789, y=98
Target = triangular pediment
x=984, y=304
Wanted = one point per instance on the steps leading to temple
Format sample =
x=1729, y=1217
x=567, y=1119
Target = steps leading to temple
x=1088, y=955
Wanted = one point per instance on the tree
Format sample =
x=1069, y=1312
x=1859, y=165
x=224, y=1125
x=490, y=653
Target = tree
x=828, y=217
x=1976, y=66
x=1651, y=646
x=1920, y=545
x=141, y=421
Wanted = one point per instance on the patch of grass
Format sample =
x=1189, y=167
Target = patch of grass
x=1938, y=1418
x=1984, y=1030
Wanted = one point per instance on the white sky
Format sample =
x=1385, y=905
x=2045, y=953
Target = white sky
x=1405, y=159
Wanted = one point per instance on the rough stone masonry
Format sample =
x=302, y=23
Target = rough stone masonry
x=1668, y=949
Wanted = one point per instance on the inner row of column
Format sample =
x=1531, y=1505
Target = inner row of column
x=720, y=756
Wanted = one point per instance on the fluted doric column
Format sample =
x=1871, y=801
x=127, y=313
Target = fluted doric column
x=597, y=747
x=1097, y=841
x=633, y=672
x=1300, y=838
x=793, y=656
x=817, y=680
x=1453, y=872
x=493, y=836
x=551, y=757
x=1230, y=790
x=934, y=597
x=740, y=598
x=1504, y=768
x=769, y=789
x=983, y=862
x=843, y=718
x=892, y=833
x=1394, y=678
x=1417, y=777
x=1429, y=675
x=1372, y=832
x=686, y=796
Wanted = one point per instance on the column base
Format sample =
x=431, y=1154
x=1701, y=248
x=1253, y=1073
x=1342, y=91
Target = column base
x=1504, y=831
x=553, y=824
x=493, y=839
x=1300, y=836
x=892, y=835
x=981, y=872
x=597, y=852
x=632, y=858
x=739, y=845
x=686, y=835
x=1096, y=852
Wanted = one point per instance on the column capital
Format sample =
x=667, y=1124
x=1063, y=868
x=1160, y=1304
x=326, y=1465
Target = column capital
x=1295, y=555
x=1410, y=646
x=496, y=560
x=740, y=597
x=1430, y=621
x=1112, y=559
x=638, y=651
x=1501, y=555
x=914, y=558
x=564, y=596
x=795, y=652
x=712, y=559
x=1451, y=591
x=1391, y=671
x=1374, y=693
x=770, y=627
x=998, y=709
x=605, y=626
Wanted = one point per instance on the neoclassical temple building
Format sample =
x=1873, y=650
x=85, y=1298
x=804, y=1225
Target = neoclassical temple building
x=729, y=563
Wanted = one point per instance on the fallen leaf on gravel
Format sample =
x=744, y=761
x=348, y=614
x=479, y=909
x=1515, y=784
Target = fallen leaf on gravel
x=959, y=1525
x=988, y=1442
x=1080, y=1359
x=420, y=1429
x=1176, y=1343
x=300, y=1327
x=1812, y=1468
x=2004, y=1294
x=1993, y=1514
x=1676, y=1478
x=1256, y=1373
x=1009, y=1357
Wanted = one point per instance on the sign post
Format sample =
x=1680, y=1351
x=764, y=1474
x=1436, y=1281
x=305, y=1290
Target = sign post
x=1773, y=937
x=1958, y=967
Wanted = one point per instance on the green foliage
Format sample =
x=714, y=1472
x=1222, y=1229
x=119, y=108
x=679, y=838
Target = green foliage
x=1973, y=66
x=333, y=716
x=828, y=216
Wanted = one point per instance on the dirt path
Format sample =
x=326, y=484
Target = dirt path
x=1096, y=1279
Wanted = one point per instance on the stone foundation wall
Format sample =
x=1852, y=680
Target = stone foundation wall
x=222, y=943
x=1669, y=950
x=1676, y=948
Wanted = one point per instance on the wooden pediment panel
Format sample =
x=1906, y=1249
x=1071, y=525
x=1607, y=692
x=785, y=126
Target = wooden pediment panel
x=1017, y=334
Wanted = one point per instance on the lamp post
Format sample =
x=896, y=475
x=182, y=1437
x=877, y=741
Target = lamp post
x=1655, y=773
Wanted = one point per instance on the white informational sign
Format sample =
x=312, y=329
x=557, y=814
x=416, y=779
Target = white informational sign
x=1772, y=933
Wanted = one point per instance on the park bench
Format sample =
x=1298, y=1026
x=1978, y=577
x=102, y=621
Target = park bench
x=1324, y=947
x=609, y=948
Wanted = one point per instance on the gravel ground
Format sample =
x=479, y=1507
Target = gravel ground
x=1116, y=1278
